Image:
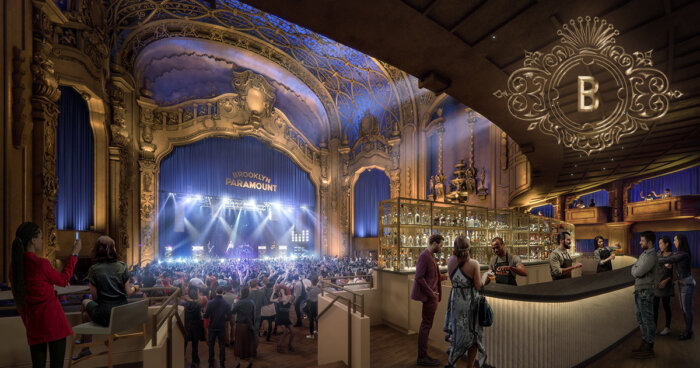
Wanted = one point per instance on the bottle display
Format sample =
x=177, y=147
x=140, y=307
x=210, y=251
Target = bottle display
x=405, y=226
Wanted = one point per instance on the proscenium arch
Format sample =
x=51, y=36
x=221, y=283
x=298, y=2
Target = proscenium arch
x=353, y=181
x=172, y=142
x=140, y=38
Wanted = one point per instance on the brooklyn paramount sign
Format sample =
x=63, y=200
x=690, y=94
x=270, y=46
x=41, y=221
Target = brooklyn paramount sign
x=251, y=180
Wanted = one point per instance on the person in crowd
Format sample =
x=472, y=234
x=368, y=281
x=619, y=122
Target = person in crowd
x=648, y=197
x=299, y=297
x=219, y=313
x=644, y=272
x=592, y=203
x=603, y=255
x=665, y=194
x=110, y=286
x=560, y=263
x=686, y=283
x=257, y=295
x=268, y=312
x=427, y=289
x=230, y=298
x=464, y=333
x=284, y=304
x=194, y=325
x=504, y=265
x=244, y=309
x=581, y=204
x=664, y=290
x=312, y=305
x=32, y=280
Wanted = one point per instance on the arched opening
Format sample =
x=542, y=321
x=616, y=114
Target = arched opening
x=75, y=156
x=234, y=198
x=371, y=187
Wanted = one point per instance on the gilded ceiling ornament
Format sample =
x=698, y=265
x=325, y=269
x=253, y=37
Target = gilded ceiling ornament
x=588, y=57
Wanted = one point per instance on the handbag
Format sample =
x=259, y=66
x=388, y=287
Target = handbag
x=483, y=311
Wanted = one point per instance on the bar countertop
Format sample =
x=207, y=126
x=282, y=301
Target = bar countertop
x=565, y=290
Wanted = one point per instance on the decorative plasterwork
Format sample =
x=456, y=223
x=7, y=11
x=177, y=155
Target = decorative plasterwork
x=642, y=96
x=355, y=81
x=142, y=37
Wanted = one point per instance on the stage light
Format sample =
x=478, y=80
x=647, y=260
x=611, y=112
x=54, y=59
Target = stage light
x=276, y=205
x=221, y=260
x=226, y=200
x=250, y=203
x=303, y=208
x=198, y=197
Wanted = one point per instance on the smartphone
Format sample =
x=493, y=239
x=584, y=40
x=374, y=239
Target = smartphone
x=76, y=235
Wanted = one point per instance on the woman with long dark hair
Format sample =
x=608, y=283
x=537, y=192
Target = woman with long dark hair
x=603, y=255
x=32, y=280
x=283, y=303
x=463, y=332
x=664, y=290
x=110, y=285
x=686, y=283
x=244, y=346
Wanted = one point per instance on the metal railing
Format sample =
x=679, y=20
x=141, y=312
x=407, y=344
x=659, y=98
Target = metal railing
x=173, y=302
x=351, y=303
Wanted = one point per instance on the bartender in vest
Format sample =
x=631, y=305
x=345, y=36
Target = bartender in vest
x=504, y=265
x=603, y=255
x=560, y=263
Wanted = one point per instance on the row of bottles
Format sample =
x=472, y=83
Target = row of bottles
x=421, y=216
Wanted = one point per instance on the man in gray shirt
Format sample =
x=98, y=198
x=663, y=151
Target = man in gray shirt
x=505, y=265
x=560, y=263
x=644, y=272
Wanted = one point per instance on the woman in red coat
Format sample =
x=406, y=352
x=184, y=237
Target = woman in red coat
x=33, y=279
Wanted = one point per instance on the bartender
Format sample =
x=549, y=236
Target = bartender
x=603, y=255
x=560, y=263
x=504, y=265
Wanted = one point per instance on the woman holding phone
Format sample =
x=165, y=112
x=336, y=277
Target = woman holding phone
x=33, y=279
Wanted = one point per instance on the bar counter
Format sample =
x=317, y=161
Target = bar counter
x=548, y=324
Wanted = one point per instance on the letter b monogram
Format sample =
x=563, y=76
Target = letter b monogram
x=584, y=93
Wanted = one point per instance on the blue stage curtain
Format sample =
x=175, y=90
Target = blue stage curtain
x=75, y=157
x=371, y=187
x=547, y=210
x=203, y=167
x=685, y=182
x=432, y=164
x=600, y=197
x=587, y=245
x=693, y=241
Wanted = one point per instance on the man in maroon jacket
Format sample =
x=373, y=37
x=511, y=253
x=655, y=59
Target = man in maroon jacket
x=427, y=289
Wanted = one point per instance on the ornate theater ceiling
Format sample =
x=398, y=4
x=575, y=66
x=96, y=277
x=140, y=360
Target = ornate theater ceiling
x=474, y=45
x=320, y=71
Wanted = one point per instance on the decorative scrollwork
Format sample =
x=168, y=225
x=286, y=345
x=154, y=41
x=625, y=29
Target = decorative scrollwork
x=642, y=94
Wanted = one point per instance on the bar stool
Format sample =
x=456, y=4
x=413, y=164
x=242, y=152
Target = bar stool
x=127, y=317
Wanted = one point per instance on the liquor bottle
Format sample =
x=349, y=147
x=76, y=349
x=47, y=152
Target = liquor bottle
x=417, y=219
x=448, y=220
x=402, y=218
x=410, y=260
x=403, y=240
x=410, y=241
x=459, y=220
x=425, y=240
x=442, y=219
x=424, y=218
x=409, y=217
x=403, y=261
